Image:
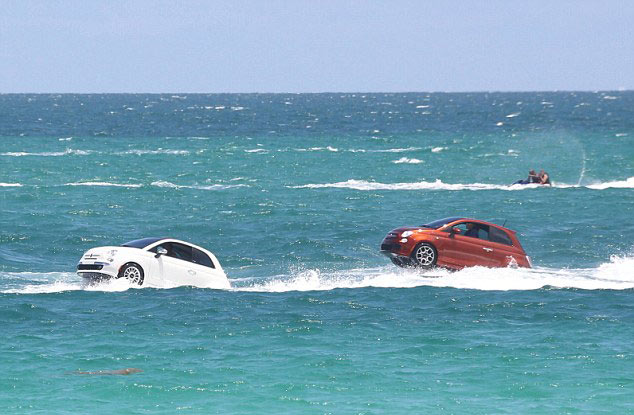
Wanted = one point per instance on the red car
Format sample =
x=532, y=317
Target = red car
x=455, y=243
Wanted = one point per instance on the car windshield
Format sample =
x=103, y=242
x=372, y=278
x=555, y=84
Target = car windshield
x=440, y=222
x=141, y=243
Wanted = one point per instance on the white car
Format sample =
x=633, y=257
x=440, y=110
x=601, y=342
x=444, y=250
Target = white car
x=154, y=262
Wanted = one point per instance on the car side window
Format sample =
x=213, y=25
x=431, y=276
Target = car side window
x=201, y=258
x=180, y=251
x=499, y=236
x=473, y=230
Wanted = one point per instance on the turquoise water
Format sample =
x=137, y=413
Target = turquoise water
x=293, y=193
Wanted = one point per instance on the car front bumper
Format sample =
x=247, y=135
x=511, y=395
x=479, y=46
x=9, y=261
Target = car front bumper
x=96, y=271
x=397, y=259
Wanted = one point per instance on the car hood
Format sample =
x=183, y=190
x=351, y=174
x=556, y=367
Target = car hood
x=102, y=253
x=411, y=228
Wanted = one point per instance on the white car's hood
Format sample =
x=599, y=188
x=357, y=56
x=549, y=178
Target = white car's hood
x=103, y=253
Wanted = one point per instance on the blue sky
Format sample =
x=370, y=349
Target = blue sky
x=315, y=46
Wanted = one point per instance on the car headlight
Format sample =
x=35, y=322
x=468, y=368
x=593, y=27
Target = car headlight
x=111, y=254
x=406, y=234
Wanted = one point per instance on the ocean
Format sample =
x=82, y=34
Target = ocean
x=293, y=193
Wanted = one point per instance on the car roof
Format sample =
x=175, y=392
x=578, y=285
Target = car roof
x=142, y=243
x=146, y=242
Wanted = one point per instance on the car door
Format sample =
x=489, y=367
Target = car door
x=204, y=267
x=470, y=247
x=176, y=265
x=503, y=252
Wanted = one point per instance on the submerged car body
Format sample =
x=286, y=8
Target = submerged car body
x=455, y=243
x=154, y=262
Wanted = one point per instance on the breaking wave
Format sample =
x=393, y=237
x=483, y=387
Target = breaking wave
x=159, y=183
x=440, y=185
x=104, y=184
x=617, y=274
x=159, y=151
x=405, y=160
x=55, y=282
x=68, y=151
x=170, y=185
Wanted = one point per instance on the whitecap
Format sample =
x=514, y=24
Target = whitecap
x=405, y=160
x=438, y=149
x=614, y=275
x=68, y=151
x=619, y=184
x=436, y=185
x=104, y=184
x=169, y=185
x=162, y=183
x=10, y=185
x=513, y=115
x=396, y=150
x=159, y=151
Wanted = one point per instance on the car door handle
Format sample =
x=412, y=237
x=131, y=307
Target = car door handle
x=191, y=272
x=488, y=249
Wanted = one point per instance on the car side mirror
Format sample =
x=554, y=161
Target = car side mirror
x=453, y=231
x=160, y=251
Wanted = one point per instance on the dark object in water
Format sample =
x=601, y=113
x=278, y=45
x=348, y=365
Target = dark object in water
x=127, y=371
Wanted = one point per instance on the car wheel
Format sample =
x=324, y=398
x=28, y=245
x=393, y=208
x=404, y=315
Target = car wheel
x=132, y=272
x=425, y=255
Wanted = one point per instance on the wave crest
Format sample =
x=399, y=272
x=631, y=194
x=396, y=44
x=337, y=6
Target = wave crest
x=614, y=275
x=440, y=185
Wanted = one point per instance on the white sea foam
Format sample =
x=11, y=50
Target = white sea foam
x=436, y=185
x=513, y=115
x=257, y=150
x=104, y=184
x=619, y=184
x=405, y=160
x=359, y=150
x=440, y=185
x=67, y=152
x=438, y=149
x=158, y=151
x=166, y=184
x=395, y=150
x=10, y=185
x=55, y=282
x=618, y=274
